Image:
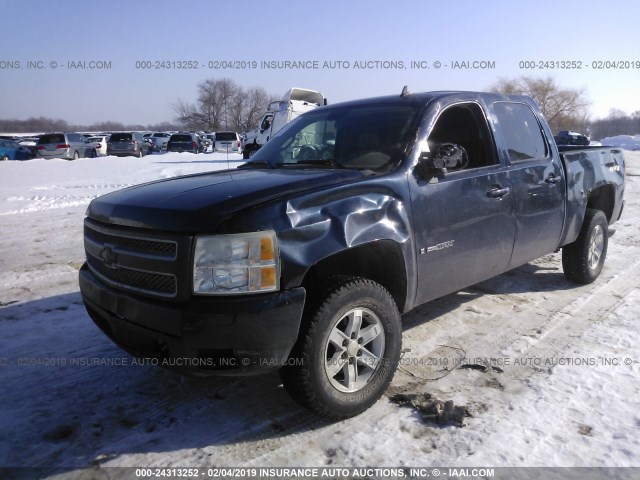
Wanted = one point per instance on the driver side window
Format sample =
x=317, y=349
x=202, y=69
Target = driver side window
x=465, y=125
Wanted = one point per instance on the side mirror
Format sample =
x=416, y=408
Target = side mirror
x=447, y=156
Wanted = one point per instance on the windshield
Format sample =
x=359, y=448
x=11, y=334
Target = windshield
x=367, y=137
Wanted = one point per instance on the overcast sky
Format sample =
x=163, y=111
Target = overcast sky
x=119, y=33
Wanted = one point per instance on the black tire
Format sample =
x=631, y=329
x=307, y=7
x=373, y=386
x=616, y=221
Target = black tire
x=4, y=157
x=318, y=372
x=93, y=154
x=246, y=153
x=582, y=260
x=76, y=155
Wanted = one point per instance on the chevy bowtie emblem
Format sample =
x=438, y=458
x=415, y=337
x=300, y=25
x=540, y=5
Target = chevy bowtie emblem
x=109, y=257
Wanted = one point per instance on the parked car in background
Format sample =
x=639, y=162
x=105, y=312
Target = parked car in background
x=10, y=150
x=228, y=142
x=566, y=137
x=184, y=142
x=205, y=141
x=68, y=145
x=99, y=142
x=127, y=144
x=211, y=138
x=31, y=143
x=201, y=144
x=148, y=141
x=159, y=141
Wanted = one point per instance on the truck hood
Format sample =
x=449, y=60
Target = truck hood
x=200, y=203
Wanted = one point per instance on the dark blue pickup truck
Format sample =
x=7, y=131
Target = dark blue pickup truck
x=304, y=258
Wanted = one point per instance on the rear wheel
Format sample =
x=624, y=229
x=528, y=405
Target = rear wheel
x=582, y=260
x=76, y=155
x=348, y=349
x=4, y=157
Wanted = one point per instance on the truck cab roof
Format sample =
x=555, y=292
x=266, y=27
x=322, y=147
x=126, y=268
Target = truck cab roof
x=303, y=95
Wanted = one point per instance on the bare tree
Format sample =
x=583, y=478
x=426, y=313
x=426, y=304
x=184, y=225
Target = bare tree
x=222, y=104
x=563, y=108
x=257, y=102
x=616, y=123
x=247, y=107
x=237, y=111
x=187, y=115
x=214, y=98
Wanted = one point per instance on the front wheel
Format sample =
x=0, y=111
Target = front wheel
x=582, y=260
x=4, y=157
x=348, y=349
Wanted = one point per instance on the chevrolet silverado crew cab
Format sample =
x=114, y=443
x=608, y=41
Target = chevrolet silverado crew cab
x=304, y=258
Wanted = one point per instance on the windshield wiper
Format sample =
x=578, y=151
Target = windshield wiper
x=321, y=162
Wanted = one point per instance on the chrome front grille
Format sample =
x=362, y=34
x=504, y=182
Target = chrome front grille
x=136, y=261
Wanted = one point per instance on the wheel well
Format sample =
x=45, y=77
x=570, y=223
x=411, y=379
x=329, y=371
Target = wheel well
x=603, y=198
x=381, y=261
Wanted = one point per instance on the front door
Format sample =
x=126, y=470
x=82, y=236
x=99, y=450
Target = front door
x=463, y=219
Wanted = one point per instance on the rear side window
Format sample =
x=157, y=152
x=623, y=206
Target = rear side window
x=120, y=137
x=521, y=131
x=51, y=138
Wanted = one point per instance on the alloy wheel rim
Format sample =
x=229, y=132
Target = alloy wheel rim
x=596, y=246
x=354, y=350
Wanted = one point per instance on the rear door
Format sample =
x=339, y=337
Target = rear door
x=537, y=178
x=463, y=219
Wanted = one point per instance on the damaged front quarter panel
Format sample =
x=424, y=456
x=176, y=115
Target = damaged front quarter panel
x=319, y=224
x=320, y=227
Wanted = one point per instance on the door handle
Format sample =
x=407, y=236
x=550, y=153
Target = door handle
x=552, y=179
x=498, y=192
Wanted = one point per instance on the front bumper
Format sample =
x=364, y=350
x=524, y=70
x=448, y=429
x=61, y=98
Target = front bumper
x=209, y=335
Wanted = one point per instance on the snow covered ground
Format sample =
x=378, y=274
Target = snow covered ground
x=628, y=142
x=565, y=390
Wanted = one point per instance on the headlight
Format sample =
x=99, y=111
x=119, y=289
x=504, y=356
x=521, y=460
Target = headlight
x=239, y=263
